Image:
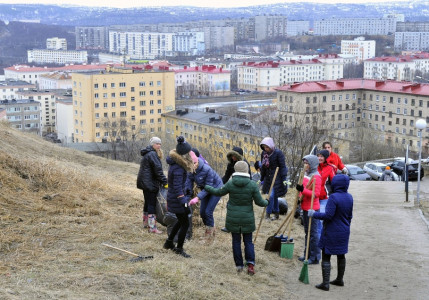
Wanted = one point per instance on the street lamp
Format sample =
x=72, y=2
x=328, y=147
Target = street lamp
x=420, y=124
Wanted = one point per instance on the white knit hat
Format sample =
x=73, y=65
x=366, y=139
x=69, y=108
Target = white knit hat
x=241, y=166
x=155, y=140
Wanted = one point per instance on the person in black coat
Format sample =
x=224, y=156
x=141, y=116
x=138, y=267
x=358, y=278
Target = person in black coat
x=181, y=163
x=271, y=158
x=149, y=179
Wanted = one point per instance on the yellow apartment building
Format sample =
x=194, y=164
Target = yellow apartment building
x=120, y=103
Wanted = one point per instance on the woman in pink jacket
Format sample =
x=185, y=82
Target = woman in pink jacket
x=311, y=162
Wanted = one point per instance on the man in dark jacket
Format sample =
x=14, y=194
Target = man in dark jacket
x=149, y=179
x=236, y=154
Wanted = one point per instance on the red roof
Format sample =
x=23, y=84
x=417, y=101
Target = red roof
x=203, y=69
x=401, y=58
x=403, y=87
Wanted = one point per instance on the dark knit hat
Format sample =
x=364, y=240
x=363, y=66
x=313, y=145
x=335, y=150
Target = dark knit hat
x=324, y=153
x=195, y=150
x=257, y=165
x=182, y=146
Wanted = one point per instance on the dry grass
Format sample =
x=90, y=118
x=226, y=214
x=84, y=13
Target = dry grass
x=57, y=207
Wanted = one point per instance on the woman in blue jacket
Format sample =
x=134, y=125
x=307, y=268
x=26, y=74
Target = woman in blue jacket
x=205, y=175
x=180, y=163
x=336, y=229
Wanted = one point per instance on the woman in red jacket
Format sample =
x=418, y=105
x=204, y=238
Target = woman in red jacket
x=311, y=162
x=333, y=158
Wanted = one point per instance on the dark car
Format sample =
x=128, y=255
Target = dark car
x=356, y=173
x=398, y=166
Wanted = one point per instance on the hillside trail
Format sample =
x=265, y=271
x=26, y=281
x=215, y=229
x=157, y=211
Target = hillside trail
x=388, y=251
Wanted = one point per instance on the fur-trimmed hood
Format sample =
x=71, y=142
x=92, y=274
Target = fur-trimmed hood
x=236, y=152
x=175, y=158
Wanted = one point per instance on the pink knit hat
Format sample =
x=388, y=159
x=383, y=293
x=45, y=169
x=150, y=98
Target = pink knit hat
x=193, y=156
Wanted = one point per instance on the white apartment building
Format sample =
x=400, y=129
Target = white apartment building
x=141, y=45
x=356, y=26
x=401, y=67
x=258, y=76
x=47, y=56
x=92, y=37
x=64, y=117
x=359, y=47
x=56, y=44
x=218, y=37
x=294, y=28
x=10, y=88
x=110, y=58
x=418, y=41
x=55, y=80
x=269, y=27
x=189, y=43
x=202, y=80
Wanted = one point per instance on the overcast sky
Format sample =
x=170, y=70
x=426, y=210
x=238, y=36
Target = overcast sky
x=215, y=3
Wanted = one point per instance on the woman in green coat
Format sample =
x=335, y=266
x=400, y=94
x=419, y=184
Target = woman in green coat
x=240, y=219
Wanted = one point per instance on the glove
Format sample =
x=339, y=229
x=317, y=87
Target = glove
x=285, y=183
x=166, y=186
x=194, y=201
x=310, y=212
x=345, y=171
x=299, y=187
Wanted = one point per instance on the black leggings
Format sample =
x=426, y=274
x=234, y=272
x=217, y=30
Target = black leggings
x=181, y=226
x=327, y=257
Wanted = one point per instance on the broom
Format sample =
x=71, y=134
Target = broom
x=263, y=211
x=303, y=277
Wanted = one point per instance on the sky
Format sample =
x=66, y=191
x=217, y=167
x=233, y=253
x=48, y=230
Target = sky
x=199, y=3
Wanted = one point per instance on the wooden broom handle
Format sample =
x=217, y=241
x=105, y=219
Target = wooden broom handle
x=110, y=246
x=295, y=204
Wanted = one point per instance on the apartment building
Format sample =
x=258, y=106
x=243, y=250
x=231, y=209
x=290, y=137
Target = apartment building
x=55, y=80
x=189, y=43
x=412, y=36
x=357, y=26
x=120, y=103
x=64, y=117
x=202, y=80
x=359, y=47
x=92, y=38
x=218, y=37
x=294, y=28
x=48, y=56
x=403, y=67
x=269, y=27
x=10, y=88
x=56, y=44
x=389, y=109
x=22, y=114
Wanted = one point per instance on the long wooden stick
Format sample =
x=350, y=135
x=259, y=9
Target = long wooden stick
x=110, y=246
x=295, y=204
x=309, y=222
x=263, y=211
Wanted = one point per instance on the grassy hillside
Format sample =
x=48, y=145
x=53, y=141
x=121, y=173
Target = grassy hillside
x=57, y=207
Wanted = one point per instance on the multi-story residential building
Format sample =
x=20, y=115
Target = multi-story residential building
x=357, y=26
x=294, y=28
x=120, y=103
x=110, y=58
x=56, y=44
x=266, y=76
x=47, y=56
x=202, y=80
x=90, y=38
x=412, y=36
x=359, y=47
x=388, y=109
x=10, y=88
x=189, y=43
x=22, y=114
x=64, y=117
x=218, y=37
x=403, y=67
x=55, y=80
x=267, y=27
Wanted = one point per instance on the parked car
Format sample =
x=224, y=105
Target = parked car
x=374, y=169
x=398, y=166
x=356, y=173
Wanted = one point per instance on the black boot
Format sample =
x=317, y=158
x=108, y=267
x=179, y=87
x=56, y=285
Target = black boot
x=168, y=244
x=182, y=252
x=341, y=262
x=326, y=271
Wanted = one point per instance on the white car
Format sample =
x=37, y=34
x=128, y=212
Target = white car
x=374, y=169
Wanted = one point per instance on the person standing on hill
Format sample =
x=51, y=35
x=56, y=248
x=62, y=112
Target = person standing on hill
x=336, y=230
x=240, y=218
x=271, y=158
x=333, y=158
x=149, y=179
x=311, y=162
x=388, y=175
x=180, y=162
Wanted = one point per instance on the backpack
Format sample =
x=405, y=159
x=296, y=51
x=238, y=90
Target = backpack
x=388, y=177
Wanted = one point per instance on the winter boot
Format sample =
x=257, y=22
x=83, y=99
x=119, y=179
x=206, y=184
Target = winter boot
x=152, y=224
x=181, y=252
x=267, y=216
x=275, y=217
x=145, y=220
x=168, y=244
x=250, y=269
x=341, y=264
x=210, y=235
x=326, y=272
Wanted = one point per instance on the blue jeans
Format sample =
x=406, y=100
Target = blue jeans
x=273, y=205
x=313, y=251
x=249, y=250
x=208, y=205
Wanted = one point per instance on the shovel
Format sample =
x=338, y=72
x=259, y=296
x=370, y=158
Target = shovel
x=263, y=211
x=137, y=257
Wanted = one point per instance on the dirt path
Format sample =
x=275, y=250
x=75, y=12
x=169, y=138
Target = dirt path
x=388, y=252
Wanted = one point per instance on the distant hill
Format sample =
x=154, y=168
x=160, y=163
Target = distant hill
x=91, y=16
